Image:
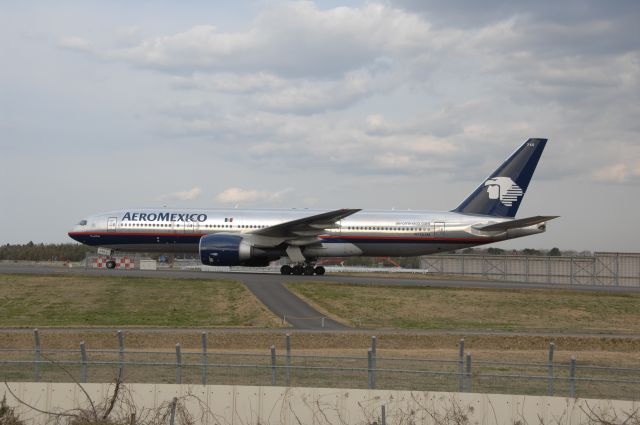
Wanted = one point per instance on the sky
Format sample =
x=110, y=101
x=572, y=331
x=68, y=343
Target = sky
x=405, y=104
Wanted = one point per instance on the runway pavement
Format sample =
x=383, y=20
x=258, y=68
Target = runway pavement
x=270, y=290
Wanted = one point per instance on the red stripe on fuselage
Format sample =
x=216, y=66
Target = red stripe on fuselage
x=345, y=237
x=405, y=238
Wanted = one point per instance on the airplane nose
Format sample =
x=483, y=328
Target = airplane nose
x=73, y=235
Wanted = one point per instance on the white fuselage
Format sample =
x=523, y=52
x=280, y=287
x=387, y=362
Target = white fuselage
x=369, y=233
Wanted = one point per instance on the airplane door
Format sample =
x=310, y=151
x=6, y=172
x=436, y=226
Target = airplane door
x=190, y=227
x=438, y=228
x=112, y=223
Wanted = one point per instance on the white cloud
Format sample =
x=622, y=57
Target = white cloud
x=290, y=39
x=312, y=96
x=128, y=36
x=228, y=82
x=618, y=173
x=236, y=195
x=187, y=195
x=75, y=43
x=199, y=47
x=269, y=92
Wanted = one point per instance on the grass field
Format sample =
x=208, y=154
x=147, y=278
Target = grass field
x=118, y=302
x=33, y=300
x=411, y=307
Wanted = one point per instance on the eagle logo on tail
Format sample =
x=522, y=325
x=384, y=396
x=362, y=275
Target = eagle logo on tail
x=503, y=188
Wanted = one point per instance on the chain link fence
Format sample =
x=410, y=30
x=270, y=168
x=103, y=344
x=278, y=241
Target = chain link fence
x=462, y=373
x=603, y=268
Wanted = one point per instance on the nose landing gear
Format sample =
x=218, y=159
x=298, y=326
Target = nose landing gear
x=302, y=269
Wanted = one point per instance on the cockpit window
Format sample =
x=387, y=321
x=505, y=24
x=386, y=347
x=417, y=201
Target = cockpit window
x=82, y=223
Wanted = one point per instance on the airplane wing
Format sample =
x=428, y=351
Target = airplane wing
x=307, y=227
x=515, y=224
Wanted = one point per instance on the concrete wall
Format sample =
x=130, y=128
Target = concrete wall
x=219, y=404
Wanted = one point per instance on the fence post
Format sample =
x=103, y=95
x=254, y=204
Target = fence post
x=571, y=270
x=572, y=378
x=552, y=348
x=83, y=356
x=178, y=364
x=174, y=403
x=205, y=359
x=288, y=359
x=526, y=268
x=322, y=324
x=273, y=365
x=373, y=361
x=462, y=265
x=505, y=271
x=469, y=372
x=617, y=269
x=461, y=366
x=369, y=357
x=36, y=365
x=121, y=354
x=383, y=416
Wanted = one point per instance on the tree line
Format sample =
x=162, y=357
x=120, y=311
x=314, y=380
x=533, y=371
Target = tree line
x=76, y=252
x=44, y=252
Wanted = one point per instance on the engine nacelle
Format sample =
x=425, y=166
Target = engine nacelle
x=224, y=249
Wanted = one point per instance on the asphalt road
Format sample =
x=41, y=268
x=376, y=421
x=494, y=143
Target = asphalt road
x=270, y=290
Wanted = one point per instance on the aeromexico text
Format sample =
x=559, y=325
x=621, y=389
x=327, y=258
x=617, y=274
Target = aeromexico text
x=164, y=216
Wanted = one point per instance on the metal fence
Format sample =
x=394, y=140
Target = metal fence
x=603, y=268
x=462, y=373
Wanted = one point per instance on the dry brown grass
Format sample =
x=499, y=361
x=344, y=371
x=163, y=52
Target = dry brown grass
x=415, y=276
x=411, y=307
x=33, y=300
x=8, y=414
x=317, y=342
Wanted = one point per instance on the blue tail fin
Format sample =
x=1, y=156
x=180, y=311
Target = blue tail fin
x=502, y=192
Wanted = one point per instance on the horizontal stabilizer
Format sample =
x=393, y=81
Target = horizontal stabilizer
x=516, y=224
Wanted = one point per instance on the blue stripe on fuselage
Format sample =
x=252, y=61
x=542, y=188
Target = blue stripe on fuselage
x=107, y=239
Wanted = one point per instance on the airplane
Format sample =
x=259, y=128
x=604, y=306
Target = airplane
x=256, y=237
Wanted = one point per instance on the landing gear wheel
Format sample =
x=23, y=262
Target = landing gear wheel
x=319, y=270
x=308, y=270
x=286, y=270
x=298, y=270
x=111, y=264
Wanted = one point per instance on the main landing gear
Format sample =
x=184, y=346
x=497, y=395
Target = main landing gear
x=302, y=269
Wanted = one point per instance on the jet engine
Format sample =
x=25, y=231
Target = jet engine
x=223, y=249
